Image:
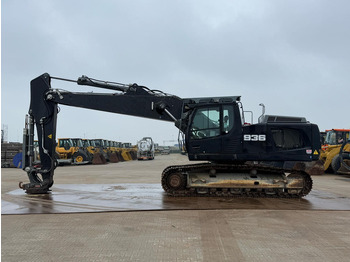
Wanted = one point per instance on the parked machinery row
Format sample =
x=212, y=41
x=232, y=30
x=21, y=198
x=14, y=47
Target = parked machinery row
x=92, y=151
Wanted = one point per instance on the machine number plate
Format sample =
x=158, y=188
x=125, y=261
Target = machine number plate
x=254, y=138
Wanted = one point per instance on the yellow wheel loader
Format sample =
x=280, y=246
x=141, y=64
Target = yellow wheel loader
x=97, y=158
x=112, y=151
x=71, y=150
x=334, y=145
x=101, y=148
x=344, y=159
x=129, y=152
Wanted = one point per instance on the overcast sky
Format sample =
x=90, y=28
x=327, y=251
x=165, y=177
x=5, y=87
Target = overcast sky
x=293, y=56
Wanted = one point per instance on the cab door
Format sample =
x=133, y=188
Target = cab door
x=204, y=133
x=214, y=133
x=209, y=132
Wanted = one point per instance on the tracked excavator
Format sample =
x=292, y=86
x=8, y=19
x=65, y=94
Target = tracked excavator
x=236, y=159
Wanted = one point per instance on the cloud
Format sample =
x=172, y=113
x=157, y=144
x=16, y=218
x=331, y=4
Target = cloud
x=291, y=55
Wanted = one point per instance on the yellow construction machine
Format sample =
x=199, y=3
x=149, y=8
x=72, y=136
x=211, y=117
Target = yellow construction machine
x=97, y=157
x=131, y=150
x=112, y=151
x=71, y=150
x=101, y=147
x=123, y=151
x=335, y=145
x=344, y=158
x=115, y=151
x=89, y=146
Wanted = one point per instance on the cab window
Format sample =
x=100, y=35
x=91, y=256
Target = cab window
x=227, y=118
x=212, y=121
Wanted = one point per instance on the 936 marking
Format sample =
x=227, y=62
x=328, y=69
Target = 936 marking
x=254, y=138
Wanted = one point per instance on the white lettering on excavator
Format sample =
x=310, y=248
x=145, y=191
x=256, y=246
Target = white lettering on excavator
x=254, y=138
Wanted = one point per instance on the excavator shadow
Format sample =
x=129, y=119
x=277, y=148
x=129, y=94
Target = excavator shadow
x=83, y=198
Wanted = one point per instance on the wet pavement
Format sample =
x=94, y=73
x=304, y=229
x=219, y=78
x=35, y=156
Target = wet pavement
x=83, y=198
x=76, y=223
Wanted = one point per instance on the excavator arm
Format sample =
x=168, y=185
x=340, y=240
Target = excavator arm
x=130, y=99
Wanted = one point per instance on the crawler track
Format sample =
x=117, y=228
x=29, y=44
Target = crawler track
x=175, y=181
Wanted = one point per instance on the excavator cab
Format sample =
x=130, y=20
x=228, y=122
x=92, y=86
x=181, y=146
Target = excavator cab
x=212, y=129
x=216, y=132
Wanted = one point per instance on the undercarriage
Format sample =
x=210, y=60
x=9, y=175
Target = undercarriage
x=231, y=180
